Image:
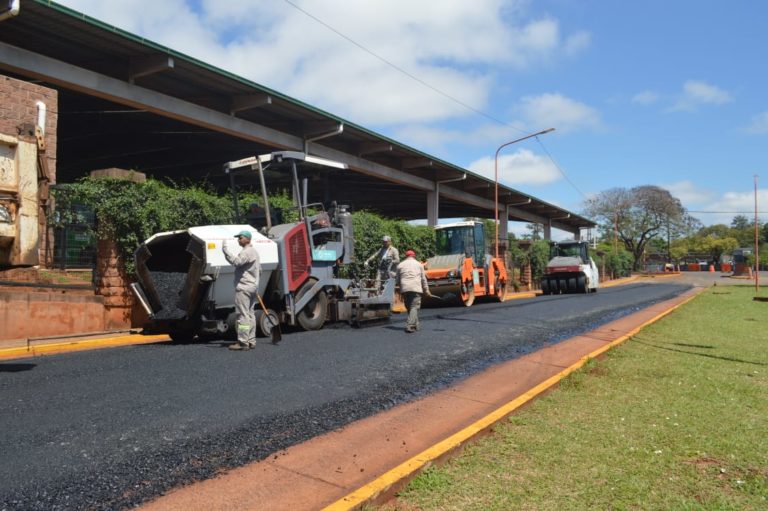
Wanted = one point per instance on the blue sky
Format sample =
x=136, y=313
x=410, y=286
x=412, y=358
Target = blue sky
x=669, y=93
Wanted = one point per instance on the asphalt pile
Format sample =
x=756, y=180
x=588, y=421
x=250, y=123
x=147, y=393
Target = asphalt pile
x=169, y=286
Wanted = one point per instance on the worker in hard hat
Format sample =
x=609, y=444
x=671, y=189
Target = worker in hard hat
x=412, y=281
x=247, y=271
x=387, y=257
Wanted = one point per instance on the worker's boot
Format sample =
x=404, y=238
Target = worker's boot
x=239, y=347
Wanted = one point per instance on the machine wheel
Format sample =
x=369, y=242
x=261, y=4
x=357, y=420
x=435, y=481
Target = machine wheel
x=581, y=284
x=500, y=288
x=266, y=322
x=545, y=286
x=467, y=293
x=313, y=315
x=562, y=284
x=571, y=284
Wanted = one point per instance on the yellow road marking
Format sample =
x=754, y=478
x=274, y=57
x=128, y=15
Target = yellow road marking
x=425, y=458
x=78, y=345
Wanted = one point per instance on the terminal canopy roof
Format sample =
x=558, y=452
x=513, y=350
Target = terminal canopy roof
x=129, y=103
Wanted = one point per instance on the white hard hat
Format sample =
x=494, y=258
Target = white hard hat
x=386, y=238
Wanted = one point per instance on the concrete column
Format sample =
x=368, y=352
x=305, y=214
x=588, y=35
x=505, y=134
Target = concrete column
x=432, y=212
x=503, y=228
x=547, y=231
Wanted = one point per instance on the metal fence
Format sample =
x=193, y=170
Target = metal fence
x=74, y=244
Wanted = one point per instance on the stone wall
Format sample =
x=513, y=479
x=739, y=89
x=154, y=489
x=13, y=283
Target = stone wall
x=25, y=314
x=120, y=308
x=18, y=117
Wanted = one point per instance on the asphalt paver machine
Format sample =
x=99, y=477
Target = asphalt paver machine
x=186, y=285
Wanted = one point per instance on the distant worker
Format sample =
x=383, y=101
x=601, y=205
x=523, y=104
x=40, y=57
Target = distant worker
x=412, y=281
x=257, y=216
x=388, y=257
x=247, y=270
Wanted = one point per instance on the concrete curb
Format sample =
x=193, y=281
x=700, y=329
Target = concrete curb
x=36, y=350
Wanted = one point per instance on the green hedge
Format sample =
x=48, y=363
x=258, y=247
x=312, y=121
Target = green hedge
x=370, y=228
x=130, y=212
x=617, y=262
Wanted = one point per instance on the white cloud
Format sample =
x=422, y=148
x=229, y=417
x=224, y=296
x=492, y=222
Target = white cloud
x=647, y=97
x=553, y=110
x=428, y=138
x=691, y=195
x=436, y=139
x=717, y=207
x=520, y=168
x=759, y=125
x=735, y=203
x=578, y=42
x=449, y=44
x=698, y=93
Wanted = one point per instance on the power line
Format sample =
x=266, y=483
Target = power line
x=729, y=212
x=400, y=69
x=561, y=170
x=432, y=87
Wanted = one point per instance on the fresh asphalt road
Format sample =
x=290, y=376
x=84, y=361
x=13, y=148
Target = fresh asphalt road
x=108, y=429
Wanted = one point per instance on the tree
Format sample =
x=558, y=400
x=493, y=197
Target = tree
x=713, y=246
x=638, y=215
x=743, y=229
x=740, y=222
x=680, y=248
x=539, y=257
x=535, y=232
x=716, y=231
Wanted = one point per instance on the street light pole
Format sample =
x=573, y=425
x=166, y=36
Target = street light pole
x=496, y=177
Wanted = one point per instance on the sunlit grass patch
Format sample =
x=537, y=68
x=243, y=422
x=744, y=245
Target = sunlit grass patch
x=673, y=419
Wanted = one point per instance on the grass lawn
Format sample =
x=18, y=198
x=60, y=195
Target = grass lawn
x=675, y=418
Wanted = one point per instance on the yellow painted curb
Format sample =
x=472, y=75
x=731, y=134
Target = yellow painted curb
x=79, y=345
x=661, y=275
x=425, y=458
x=522, y=294
x=619, y=282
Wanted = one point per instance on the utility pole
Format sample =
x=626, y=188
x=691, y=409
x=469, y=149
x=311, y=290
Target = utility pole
x=757, y=245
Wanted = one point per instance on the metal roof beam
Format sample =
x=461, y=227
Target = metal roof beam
x=526, y=216
x=374, y=147
x=148, y=65
x=415, y=163
x=241, y=102
x=60, y=73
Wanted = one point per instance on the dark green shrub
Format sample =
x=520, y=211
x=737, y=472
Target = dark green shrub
x=129, y=213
